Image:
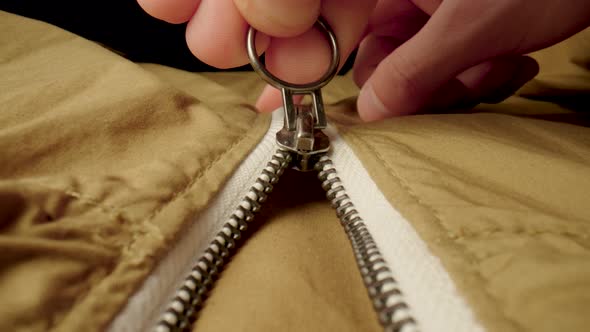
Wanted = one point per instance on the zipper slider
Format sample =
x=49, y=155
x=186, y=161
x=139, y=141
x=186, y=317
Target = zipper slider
x=302, y=130
x=306, y=141
x=303, y=145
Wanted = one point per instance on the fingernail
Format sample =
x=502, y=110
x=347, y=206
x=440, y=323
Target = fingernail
x=370, y=107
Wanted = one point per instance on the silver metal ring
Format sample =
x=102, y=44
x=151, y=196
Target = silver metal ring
x=280, y=84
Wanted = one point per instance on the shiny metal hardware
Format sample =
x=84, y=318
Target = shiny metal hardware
x=302, y=130
x=307, y=143
x=303, y=144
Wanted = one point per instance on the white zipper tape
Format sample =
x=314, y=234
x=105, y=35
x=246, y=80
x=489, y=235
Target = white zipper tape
x=145, y=306
x=426, y=286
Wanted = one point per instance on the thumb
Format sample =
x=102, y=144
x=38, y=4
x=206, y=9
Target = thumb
x=408, y=78
x=280, y=18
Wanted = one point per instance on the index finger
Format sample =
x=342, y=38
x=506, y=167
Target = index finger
x=305, y=58
x=280, y=18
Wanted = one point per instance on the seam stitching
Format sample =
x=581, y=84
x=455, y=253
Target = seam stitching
x=405, y=186
x=147, y=222
x=114, y=212
x=198, y=175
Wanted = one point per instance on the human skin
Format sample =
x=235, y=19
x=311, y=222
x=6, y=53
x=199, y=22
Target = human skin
x=413, y=55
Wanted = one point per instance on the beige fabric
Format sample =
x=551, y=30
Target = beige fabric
x=102, y=164
x=295, y=273
x=104, y=161
x=501, y=195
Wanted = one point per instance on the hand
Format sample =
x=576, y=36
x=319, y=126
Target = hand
x=414, y=54
x=216, y=33
x=441, y=53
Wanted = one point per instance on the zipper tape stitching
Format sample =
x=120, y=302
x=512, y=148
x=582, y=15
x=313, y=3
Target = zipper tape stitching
x=155, y=291
x=190, y=296
x=434, y=213
x=371, y=262
x=457, y=314
x=393, y=312
x=197, y=176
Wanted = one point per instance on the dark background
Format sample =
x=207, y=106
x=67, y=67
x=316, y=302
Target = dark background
x=122, y=26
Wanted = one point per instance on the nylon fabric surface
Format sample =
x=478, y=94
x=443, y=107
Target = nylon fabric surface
x=499, y=193
x=103, y=164
x=295, y=272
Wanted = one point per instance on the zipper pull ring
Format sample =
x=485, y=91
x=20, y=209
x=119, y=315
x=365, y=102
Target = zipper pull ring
x=302, y=131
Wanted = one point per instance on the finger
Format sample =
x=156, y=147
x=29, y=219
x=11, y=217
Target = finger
x=528, y=68
x=270, y=99
x=172, y=11
x=452, y=95
x=305, y=58
x=391, y=24
x=372, y=50
x=407, y=79
x=347, y=18
x=398, y=18
x=489, y=76
x=216, y=34
x=280, y=18
x=299, y=59
x=491, y=81
x=427, y=6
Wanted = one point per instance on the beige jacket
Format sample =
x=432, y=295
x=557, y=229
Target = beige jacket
x=110, y=170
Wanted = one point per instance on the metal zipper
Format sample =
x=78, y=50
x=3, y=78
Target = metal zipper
x=392, y=311
x=303, y=146
x=384, y=291
x=190, y=295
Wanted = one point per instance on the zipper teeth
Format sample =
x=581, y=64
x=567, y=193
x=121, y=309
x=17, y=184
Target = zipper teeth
x=390, y=306
x=392, y=310
x=190, y=295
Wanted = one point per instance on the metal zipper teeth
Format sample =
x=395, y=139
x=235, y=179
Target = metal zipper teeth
x=392, y=310
x=384, y=291
x=190, y=295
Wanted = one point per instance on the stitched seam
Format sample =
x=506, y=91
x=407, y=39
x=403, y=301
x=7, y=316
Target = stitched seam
x=198, y=175
x=111, y=211
x=405, y=186
x=136, y=236
x=115, y=212
x=531, y=232
x=147, y=222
